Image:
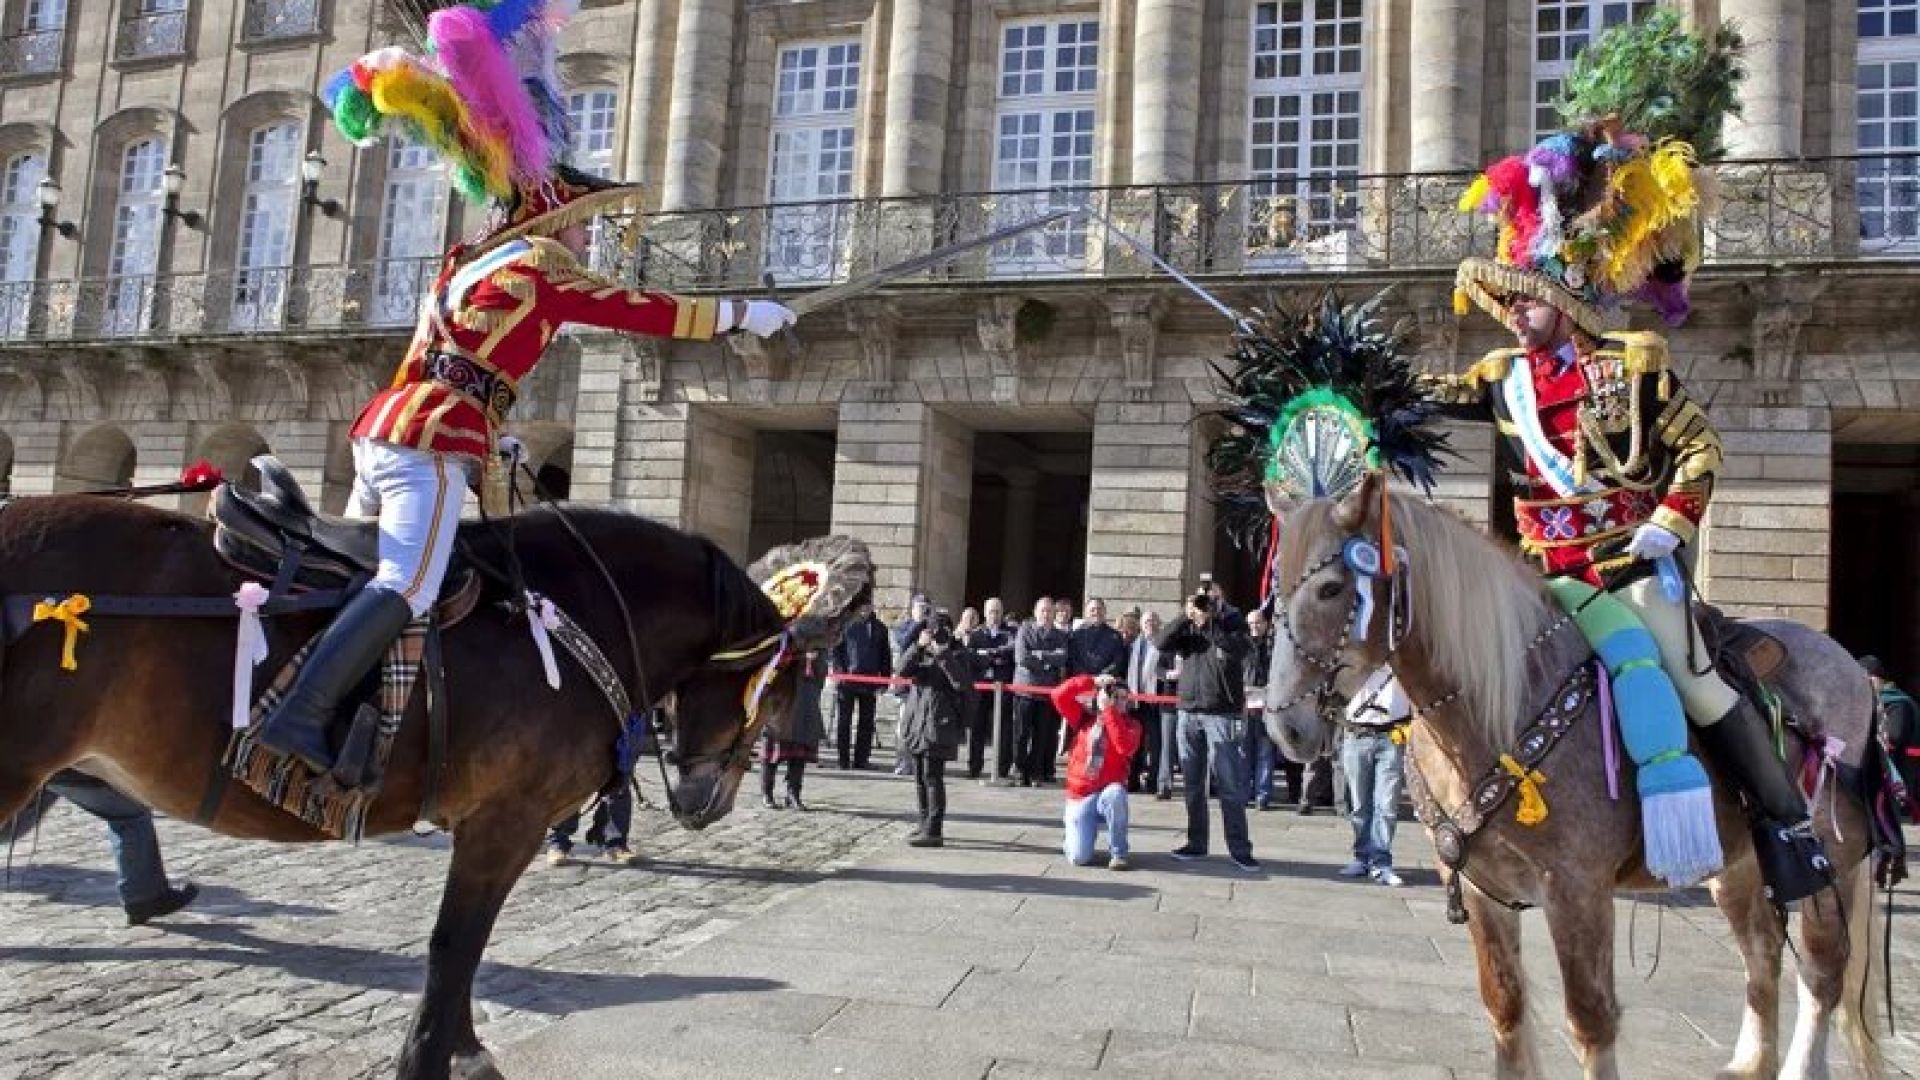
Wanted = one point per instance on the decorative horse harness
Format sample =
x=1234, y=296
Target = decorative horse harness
x=1515, y=770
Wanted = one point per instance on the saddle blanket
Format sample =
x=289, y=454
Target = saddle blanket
x=317, y=799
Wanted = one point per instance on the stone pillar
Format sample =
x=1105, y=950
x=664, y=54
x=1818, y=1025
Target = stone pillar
x=1113, y=115
x=903, y=482
x=919, y=72
x=36, y=456
x=1447, y=71
x=718, y=495
x=1767, y=545
x=596, y=418
x=1166, y=90
x=1776, y=62
x=697, y=115
x=1143, y=493
x=1016, y=550
x=652, y=81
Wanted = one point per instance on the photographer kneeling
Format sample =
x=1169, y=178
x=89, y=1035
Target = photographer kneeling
x=936, y=714
x=1098, y=766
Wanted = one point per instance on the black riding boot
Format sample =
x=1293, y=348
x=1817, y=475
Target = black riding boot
x=355, y=642
x=767, y=770
x=1792, y=860
x=796, y=770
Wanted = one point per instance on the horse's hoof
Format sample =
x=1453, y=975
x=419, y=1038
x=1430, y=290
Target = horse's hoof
x=478, y=1066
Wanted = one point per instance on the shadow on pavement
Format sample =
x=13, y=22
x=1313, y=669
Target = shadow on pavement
x=87, y=887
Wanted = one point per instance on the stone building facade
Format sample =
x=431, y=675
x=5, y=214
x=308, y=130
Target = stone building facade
x=1029, y=418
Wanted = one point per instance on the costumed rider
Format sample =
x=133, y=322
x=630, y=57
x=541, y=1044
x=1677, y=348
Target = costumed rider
x=1619, y=462
x=485, y=97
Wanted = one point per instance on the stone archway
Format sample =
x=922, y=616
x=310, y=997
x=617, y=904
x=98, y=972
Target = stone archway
x=550, y=455
x=230, y=448
x=103, y=458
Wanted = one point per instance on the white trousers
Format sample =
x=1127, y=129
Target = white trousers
x=416, y=496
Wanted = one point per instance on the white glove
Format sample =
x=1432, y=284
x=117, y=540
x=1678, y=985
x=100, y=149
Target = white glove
x=510, y=448
x=1651, y=542
x=761, y=318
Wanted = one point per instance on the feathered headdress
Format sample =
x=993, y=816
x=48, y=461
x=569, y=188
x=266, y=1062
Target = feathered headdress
x=1313, y=401
x=1608, y=210
x=486, y=97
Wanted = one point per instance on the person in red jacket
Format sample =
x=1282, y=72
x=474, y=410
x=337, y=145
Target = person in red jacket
x=1104, y=741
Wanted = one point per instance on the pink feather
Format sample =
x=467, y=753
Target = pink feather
x=484, y=76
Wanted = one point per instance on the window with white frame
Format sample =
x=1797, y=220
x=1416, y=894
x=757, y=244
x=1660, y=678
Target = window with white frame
x=1887, y=103
x=1044, y=136
x=810, y=158
x=135, y=255
x=1304, y=138
x=267, y=207
x=413, y=223
x=591, y=113
x=19, y=240
x=1561, y=29
x=40, y=15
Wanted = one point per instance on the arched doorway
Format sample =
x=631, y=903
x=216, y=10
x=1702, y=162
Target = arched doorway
x=549, y=447
x=101, y=459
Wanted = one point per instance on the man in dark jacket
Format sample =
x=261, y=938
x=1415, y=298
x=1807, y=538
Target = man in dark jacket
x=1096, y=648
x=1899, y=723
x=863, y=650
x=942, y=672
x=992, y=649
x=1213, y=715
x=1040, y=659
x=1262, y=757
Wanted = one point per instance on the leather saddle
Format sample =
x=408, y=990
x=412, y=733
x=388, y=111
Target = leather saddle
x=1740, y=648
x=276, y=535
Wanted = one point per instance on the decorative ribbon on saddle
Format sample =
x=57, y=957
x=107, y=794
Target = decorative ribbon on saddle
x=1682, y=841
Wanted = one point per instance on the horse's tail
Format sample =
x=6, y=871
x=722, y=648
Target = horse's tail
x=1865, y=995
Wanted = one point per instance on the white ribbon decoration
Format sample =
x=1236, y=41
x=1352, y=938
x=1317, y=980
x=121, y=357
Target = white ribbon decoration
x=249, y=649
x=542, y=618
x=1830, y=751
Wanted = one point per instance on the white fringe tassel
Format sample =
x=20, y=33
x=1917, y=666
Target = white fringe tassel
x=1682, y=840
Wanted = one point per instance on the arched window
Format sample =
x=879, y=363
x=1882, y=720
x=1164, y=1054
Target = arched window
x=413, y=222
x=136, y=238
x=265, y=257
x=19, y=240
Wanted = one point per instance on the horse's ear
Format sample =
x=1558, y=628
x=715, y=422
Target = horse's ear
x=817, y=585
x=1350, y=513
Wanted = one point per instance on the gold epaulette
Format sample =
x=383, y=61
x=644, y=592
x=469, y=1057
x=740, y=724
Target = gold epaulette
x=546, y=253
x=1643, y=352
x=1491, y=368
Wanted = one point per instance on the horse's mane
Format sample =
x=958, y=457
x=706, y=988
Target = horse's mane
x=1475, y=606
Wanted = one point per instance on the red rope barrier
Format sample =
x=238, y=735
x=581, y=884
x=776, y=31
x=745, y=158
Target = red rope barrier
x=1023, y=689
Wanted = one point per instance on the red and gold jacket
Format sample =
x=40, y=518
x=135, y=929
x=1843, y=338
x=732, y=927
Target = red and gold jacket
x=1608, y=440
x=487, y=322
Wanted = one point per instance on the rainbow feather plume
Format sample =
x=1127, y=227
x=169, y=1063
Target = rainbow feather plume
x=497, y=106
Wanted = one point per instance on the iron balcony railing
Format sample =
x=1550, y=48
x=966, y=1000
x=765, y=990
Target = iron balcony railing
x=1855, y=209
x=157, y=35
x=32, y=52
x=272, y=20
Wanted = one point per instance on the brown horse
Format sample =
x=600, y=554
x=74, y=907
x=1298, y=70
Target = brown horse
x=148, y=707
x=1477, y=615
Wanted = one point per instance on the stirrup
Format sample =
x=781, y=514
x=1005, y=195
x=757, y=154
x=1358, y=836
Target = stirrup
x=1793, y=861
x=354, y=766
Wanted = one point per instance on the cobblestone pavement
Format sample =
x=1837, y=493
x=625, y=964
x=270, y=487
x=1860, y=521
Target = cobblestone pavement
x=306, y=961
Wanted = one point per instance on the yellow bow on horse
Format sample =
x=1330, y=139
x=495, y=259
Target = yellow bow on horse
x=67, y=613
x=1533, y=805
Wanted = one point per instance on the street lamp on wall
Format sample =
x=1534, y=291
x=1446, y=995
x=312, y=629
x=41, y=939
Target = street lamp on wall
x=171, y=182
x=310, y=170
x=49, y=194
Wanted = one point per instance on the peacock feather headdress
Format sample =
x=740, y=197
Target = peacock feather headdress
x=1313, y=400
x=1607, y=211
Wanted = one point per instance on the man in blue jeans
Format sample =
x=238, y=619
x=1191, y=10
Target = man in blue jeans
x=145, y=892
x=1213, y=717
x=1374, y=758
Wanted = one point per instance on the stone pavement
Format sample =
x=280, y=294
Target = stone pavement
x=817, y=945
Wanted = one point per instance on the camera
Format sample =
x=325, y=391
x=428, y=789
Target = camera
x=942, y=626
x=1202, y=600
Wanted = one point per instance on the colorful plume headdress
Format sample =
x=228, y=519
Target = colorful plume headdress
x=486, y=96
x=1313, y=401
x=1608, y=210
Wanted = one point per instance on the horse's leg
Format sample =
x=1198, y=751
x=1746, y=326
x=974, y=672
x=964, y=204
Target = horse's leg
x=1757, y=931
x=490, y=850
x=1822, y=969
x=1580, y=917
x=1503, y=985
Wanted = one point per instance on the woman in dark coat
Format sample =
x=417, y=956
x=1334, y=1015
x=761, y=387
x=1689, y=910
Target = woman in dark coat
x=936, y=714
x=799, y=742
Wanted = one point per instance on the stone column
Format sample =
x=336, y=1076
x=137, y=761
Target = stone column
x=1143, y=492
x=1166, y=90
x=919, y=73
x=697, y=115
x=903, y=482
x=1447, y=71
x=1016, y=550
x=691, y=467
x=1776, y=62
x=652, y=81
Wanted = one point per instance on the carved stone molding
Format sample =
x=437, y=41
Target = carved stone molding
x=1137, y=320
x=26, y=396
x=876, y=323
x=997, y=322
x=1439, y=340
x=762, y=359
x=642, y=364
x=140, y=388
x=213, y=369
x=1782, y=308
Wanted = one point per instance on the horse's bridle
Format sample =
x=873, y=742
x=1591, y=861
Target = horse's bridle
x=1329, y=663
